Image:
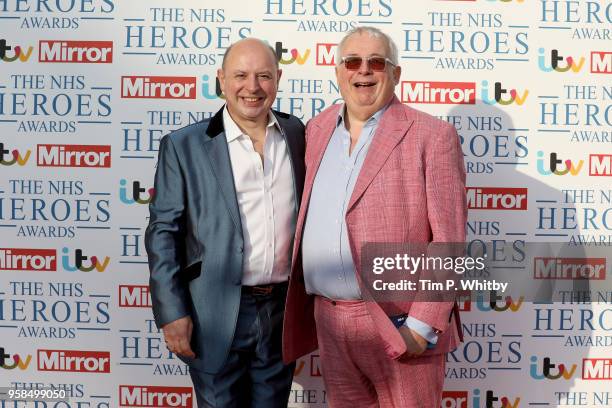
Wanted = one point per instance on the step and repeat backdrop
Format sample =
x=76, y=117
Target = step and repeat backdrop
x=89, y=87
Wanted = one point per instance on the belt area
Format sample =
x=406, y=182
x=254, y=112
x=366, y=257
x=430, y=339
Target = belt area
x=265, y=290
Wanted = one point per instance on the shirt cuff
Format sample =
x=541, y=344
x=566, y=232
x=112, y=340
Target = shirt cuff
x=425, y=330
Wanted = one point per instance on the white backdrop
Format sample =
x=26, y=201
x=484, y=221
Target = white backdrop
x=520, y=80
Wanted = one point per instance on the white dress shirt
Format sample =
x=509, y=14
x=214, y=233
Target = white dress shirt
x=266, y=201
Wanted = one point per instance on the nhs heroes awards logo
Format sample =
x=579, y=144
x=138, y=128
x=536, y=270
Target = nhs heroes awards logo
x=579, y=325
x=582, y=111
x=52, y=310
x=581, y=215
x=39, y=103
x=488, y=143
x=465, y=41
x=182, y=36
x=145, y=347
x=585, y=20
x=54, y=209
x=308, y=97
x=141, y=140
x=323, y=16
x=36, y=15
x=483, y=353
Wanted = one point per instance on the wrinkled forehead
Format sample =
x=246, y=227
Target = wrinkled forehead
x=365, y=44
x=250, y=54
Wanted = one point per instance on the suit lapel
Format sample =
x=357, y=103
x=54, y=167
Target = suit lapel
x=215, y=146
x=320, y=136
x=294, y=156
x=392, y=128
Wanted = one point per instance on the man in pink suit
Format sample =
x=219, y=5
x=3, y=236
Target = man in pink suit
x=376, y=171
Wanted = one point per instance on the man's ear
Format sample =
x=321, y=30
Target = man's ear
x=221, y=78
x=397, y=73
x=279, y=73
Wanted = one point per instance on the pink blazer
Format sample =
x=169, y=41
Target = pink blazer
x=411, y=188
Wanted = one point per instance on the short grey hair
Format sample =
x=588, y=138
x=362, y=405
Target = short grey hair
x=272, y=50
x=372, y=32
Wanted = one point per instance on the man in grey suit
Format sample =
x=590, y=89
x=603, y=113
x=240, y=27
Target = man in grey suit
x=220, y=236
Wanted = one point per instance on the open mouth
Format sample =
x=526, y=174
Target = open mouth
x=363, y=84
x=251, y=99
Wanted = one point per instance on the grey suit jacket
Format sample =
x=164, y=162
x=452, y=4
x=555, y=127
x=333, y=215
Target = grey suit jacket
x=194, y=239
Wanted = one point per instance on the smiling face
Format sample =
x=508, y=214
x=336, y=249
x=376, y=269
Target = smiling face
x=249, y=79
x=365, y=91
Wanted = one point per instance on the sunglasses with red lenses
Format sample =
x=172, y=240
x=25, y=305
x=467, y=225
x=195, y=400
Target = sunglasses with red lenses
x=353, y=62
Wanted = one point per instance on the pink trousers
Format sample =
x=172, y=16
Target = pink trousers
x=356, y=371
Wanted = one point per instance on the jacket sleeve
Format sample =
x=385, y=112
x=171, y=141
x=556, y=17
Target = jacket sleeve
x=447, y=212
x=165, y=237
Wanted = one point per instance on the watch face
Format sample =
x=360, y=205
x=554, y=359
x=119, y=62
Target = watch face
x=398, y=321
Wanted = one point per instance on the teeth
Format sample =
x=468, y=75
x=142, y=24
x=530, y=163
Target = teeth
x=251, y=99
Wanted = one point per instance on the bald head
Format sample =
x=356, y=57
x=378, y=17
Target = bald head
x=249, y=43
x=249, y=79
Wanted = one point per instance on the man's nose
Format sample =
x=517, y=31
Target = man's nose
x=252, y=83
x=364, y=68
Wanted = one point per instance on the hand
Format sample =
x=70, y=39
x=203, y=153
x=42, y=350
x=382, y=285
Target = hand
x=178, y=336
x=415, y=343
